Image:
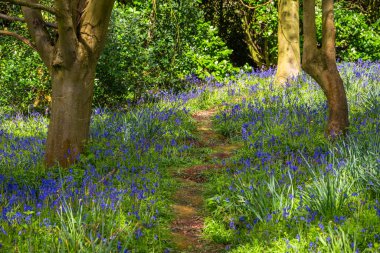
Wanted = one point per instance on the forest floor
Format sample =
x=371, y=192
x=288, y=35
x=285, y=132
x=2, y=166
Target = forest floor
x=189, y=199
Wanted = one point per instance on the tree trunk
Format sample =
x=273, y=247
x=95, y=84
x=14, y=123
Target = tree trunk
x=70, y=113
x=71, y=57
x=320, y=63
x=253, y=49
x=289, y=57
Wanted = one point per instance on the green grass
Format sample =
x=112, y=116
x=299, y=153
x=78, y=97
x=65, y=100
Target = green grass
x=290, y=189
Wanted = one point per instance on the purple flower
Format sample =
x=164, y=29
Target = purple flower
x=232, y=224
x=138, y=233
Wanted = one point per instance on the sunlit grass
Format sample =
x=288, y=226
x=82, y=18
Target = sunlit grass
x=290, y=189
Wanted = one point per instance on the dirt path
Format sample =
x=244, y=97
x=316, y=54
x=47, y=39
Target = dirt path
x=188, y=208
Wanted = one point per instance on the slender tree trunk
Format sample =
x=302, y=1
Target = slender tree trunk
x=289, y=57
x=320, y=63
x=254, y=51
x=70, y=113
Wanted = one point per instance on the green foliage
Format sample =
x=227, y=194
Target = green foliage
x=150, y=48
x=328, y=193
x=357, y=24
x=154, y=48
x=23, y=78
x=356, y=38
x=245, y=25
x=209, y=54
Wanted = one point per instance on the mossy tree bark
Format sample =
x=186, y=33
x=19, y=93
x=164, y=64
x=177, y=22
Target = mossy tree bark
x=71, y=57
x=289, y=57
x=320, y=63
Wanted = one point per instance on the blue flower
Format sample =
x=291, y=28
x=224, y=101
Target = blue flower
x=138, y=233
x=232, y=224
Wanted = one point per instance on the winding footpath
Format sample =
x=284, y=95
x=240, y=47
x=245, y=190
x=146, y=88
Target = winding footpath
x=188, y=204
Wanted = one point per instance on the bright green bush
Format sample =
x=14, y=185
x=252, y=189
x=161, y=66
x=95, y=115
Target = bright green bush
x=356, y=38
x=23, y=78
x=153, y=48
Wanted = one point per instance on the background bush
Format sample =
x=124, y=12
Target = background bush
x=149, y=48
x=357, y=37
x=154, y=48
x=24, y=80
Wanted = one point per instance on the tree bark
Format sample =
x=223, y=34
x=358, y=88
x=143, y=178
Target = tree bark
x=320, y=63
x=71, y=59
x=70, y=112
x=289, y=57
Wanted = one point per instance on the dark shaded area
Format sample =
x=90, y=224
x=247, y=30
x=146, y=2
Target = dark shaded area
x=225, y=16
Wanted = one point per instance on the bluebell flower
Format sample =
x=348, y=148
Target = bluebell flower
x=2, y=230
x=46, y=222
x=138, y=233
x=232, y=224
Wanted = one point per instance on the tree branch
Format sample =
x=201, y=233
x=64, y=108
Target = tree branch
x=67, y=41
x=328, y=29
x=39, y=33
x=12, y=19
x=33, y=6
x=94, y=25
x=309, y=30
x=19, y=37
x=17, y=19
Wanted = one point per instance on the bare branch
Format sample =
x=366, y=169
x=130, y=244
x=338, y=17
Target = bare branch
x=19, y=37
x=33, y=6
x=12, y=19
x=17, y=19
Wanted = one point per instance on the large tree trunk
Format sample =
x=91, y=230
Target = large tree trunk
x=320, y=63
x=71, y=56
x=70, y=113
x=289, y=57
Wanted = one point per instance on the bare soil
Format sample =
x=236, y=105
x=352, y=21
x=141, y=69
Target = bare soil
x=188, y=200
